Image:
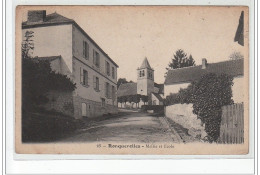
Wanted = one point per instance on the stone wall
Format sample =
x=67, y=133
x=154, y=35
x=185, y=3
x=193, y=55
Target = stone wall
x=93, y=108
x=183, y=115
x=60, y=102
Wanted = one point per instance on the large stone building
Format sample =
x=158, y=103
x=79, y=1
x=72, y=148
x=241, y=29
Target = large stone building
x=144, y=86
x=182, y=77
x=74, y=53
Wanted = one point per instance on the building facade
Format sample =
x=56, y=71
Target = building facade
x=80, y=58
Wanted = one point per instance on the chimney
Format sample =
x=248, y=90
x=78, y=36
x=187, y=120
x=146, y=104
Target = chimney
x=204, y=63
x=36, y=15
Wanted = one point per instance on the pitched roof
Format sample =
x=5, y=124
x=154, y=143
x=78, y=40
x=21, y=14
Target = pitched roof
x=157, y=96
x=57, y=19
x=233, y=68
x=49, y=58
x=160, y=87
x=53, y=18
x=145, y=64
x=127, y=89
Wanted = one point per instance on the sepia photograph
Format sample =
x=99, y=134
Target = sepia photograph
x=164, y=80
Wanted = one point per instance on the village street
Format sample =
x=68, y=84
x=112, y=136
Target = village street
x=125, y=127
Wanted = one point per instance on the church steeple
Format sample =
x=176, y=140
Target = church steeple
x=145, y=78
x=145, y=64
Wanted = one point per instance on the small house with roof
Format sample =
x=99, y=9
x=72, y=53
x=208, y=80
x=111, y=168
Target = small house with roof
x=182, y=77
x=145, y=86
x=72, y=52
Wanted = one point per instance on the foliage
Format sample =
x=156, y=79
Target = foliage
x=236, y=56
x=38, y=78
x=180, y=60
x=210, y=93
x=183, y=96
x=207, y=95
x=122, y=81
x=144, y=98
x=27, y=44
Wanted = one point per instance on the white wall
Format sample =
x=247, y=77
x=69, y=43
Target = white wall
x=88, y=92
x=183, y=115
x=168, y=89
x=53, y=41
x=238, y=89
x=78, y=37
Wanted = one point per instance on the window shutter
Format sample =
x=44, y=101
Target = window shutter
x=81, y=75
x=83, y=49
x=86, y=78
x=94, y=56
x=94, y=82
x=87, y=50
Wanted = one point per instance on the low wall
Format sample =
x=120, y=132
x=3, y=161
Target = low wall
x=183, y=115
x=94, y=109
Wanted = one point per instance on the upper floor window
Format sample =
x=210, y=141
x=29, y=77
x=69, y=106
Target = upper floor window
x=96, y=83
x=113, y=72
x=108, y=68
x=96, y=58
x=83, y=77
x=85, y=50
x=143, y=73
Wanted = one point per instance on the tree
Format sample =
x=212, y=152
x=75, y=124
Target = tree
x=136, y=99
x=122, y=81
x=144, y=98
x=27, y=44
x=180, y=60
x=236, y=56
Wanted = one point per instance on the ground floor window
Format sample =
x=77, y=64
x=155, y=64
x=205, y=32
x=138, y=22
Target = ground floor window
x=83, y=109
x=103, y=102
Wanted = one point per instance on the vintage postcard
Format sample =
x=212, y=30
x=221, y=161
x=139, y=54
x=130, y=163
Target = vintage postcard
x=150, y=80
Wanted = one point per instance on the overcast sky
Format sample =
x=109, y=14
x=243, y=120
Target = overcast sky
x=128, y=34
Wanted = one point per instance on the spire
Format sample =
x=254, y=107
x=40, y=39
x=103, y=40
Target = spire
x=145, y=64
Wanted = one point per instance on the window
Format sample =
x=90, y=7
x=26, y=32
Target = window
x=85, y=50
x=107, y=90
x=113, y=93
x=108, y=68
x=113, y=72
x=103, y=102
x=83, y=77
x=96, y=58
x=143, y=73
x=140, y=73
x=96, y=83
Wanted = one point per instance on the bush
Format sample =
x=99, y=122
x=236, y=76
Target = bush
x=183, y=96
x=38, y=79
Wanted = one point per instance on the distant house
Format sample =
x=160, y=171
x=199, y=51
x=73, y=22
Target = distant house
x=182, y=77
x=145, y=86
x=72, y=52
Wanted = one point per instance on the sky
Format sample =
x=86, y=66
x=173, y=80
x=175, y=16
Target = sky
x=128, y=34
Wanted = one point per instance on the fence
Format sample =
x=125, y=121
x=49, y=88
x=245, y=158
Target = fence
x=232, y=124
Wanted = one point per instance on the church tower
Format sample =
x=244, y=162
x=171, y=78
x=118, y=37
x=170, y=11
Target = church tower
x=145, y=78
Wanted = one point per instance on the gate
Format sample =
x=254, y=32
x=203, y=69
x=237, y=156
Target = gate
x=232, y=124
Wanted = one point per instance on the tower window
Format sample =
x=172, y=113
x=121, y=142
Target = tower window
x=143, y=73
